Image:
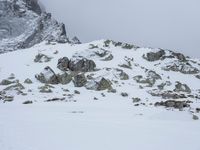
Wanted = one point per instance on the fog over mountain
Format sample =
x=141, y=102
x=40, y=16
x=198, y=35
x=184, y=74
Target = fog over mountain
x=156, y=23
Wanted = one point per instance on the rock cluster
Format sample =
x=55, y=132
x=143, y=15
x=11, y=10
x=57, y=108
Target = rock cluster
x=174, y=104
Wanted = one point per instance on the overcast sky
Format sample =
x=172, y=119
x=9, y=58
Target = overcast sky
x=170, y=24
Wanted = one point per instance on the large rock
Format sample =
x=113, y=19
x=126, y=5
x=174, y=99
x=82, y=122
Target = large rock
x=154, y=56
x=63, y=64
x=82, y=65
x=79, y=80
x=99, y=84
x=179, y=87
x=183, y=67
x=47, y=76
x=64, y=78
x=173, y=103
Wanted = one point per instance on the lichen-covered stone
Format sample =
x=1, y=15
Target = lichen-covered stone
x=64, y=78
x=47, y=76
x=179, y=87
x=63, y=64
x=79, y=80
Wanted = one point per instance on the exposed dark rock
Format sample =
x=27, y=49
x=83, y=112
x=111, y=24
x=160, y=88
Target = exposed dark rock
x=6, y=82
x=179, y=56
x=45, y=89
x=63, y=64
x=76, y=92
x=28, y=102
x=124, y=94
x=179, y=87
x=82, y=65
x=185, y=68
x=40, y=58
x=195, y=117
x=75, y=40
x=99, y=84
x=154, y=56
x=55, y=99
x=64, y=78
x=79, y=80
x=28, y=81
x=47, y=76
x=136, y=100
x=149, y=81
x=173, y=103
x=17, y=86
x=167, y=94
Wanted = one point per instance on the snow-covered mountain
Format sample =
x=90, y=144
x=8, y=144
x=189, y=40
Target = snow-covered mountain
x=23, y=24
x=100, y=95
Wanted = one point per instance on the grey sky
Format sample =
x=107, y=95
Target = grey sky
x=170, y=24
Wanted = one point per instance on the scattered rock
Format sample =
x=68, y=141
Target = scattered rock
x=167, y=94
x=136, y=100
x=154, y=56
x=99, y=84
x=95, y=98
x=28, y=102
x=45, y=89
x=55, y=99
x=198, y=110
x=149, y=81
x=124, y=94
x=18, y=87
x=76, y=92
x=40, y=58
x=47, y=76
x=75, y=40
x=82, y=65
x=63, y=64
x=194, y=117
x=112, y=91
x=179, y=87
x=6, y=82
x=173, y=103
x=28, y=81
x=109, y=58
x=8, y=98
x=79, y=80
x=179, y=56
x=183, y=67
x=64, y=78
x=12, y=76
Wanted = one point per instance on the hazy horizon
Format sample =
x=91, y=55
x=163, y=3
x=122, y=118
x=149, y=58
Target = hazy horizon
x=154, y=23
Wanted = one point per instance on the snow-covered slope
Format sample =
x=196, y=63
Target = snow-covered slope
x=98, y=95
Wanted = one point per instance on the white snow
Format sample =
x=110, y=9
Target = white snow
x=82, y=123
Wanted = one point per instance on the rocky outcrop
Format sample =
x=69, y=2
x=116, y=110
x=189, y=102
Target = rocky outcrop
x=167, y=94
x=179, y=87
x=47, y=76
x=76, y=64
x=63, y=64
x=81, y=65
x=154, y=56
x=99, y=84
x=79, y=80
x=174, y=104
x=23, y=24
x=64, y=78
x=183, y=67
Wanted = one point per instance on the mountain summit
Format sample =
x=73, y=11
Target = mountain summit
x=23, y=24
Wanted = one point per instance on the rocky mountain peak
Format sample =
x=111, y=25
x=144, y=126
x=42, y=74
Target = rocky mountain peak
x=23, y=24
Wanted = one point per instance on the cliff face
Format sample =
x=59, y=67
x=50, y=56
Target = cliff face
x=23, y=24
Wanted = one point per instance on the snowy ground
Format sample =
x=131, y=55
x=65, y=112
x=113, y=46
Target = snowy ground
x=107, y=125
x=112, y=122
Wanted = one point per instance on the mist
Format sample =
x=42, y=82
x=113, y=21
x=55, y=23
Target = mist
x=169, y=24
